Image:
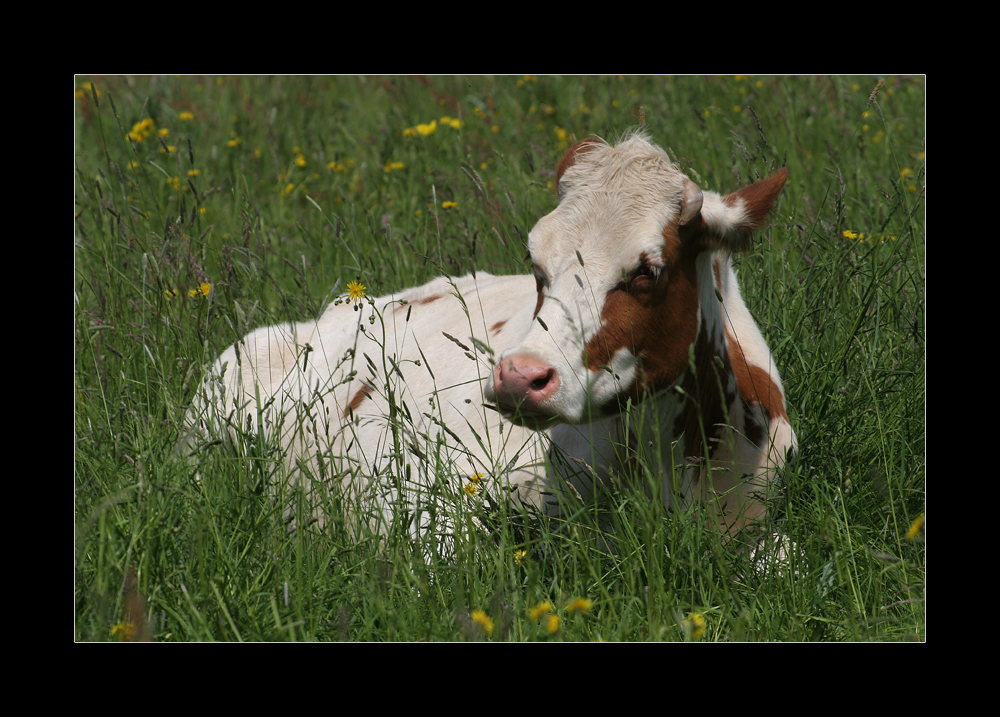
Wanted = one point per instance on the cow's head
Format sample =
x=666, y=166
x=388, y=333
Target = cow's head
x=622, y=267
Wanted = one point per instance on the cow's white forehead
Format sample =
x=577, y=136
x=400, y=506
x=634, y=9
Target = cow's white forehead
x=614, y=202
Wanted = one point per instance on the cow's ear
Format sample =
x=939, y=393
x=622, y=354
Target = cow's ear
x=571, y=154
x=730, y=221
x=691, y=202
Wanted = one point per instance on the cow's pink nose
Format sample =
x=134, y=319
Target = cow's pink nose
x=523, y=382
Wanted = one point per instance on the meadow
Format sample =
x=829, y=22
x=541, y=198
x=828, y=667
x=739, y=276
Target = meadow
x=208, y=206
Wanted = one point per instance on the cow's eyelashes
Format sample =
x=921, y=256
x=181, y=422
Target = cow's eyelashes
x=643, y=276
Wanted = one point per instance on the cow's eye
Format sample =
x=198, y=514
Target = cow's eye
x=540, y=280
x=642, y=277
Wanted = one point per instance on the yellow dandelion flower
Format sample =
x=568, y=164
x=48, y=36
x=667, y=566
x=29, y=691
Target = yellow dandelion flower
x=124, y=630
x=483, y=620
x=169, y=294
x=580, y=605
x=185, y=116
x=848, y=234
x=448, y=205
x=174, y=182
x=289, y=188
x=389, y=166
x=519, y=555
x=426, y=129
x=410, y=132
x=234, y=142
x=355, y=290
x=455, y=124
x=694, y=625
x=300, y=160
x=552, y=624
x=202, y=210
x=540, y=610
x=194, y=172
x=916, y=528
x=471, y=488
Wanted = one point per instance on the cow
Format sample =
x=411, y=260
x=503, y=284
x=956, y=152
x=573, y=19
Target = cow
x=629, y=343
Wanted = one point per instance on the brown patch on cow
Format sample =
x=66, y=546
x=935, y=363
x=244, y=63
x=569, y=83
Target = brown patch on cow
x=755, y=385
x=569, y=158
x=657, y=323
x=495, y=328
x=360, y=396
x=411, y=303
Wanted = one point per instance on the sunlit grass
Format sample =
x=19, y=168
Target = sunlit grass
x=206, y=207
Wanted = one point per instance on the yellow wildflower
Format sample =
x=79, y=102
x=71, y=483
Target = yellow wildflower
x=124, y=630
x=141, y=130
x=426, y=129
x=205, y=289
x=234, y=142
x=552, y=624
x=185, y=116
x=540, y=610
x=194, y=172
x=694, y=625
x=300, y=160
x=389, y=166
x=448, y=205
x=355, y=290
x=483, y=620
x=519, y=555
x=580, y=605
x=916, y=528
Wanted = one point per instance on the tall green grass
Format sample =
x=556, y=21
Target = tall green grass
x=206, y=207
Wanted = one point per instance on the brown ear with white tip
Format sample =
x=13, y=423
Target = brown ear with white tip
x=730, y=221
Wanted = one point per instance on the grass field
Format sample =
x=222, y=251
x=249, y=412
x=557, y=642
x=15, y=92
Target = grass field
x=208, y=206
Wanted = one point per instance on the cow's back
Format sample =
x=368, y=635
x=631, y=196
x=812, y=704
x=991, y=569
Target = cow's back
x=374, y=393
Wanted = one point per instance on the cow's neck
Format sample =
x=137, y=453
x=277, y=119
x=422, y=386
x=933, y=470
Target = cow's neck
x=689, y=415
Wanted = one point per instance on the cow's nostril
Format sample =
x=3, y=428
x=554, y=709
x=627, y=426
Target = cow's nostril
x=541, y=382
